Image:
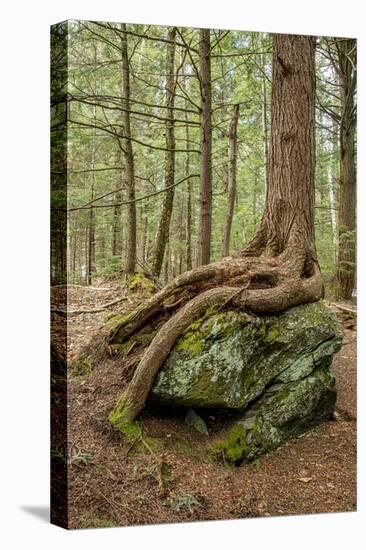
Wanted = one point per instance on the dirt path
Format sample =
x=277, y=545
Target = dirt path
x=112, y=483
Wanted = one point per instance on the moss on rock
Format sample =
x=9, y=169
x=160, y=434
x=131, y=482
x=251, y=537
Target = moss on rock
x=227, y=359
x=232, y=448
x=284, y=411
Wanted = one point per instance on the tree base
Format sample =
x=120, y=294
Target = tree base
x=255, y=284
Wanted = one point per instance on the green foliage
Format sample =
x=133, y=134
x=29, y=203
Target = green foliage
x=96, y=166
x=109, y=267
x=80, y=457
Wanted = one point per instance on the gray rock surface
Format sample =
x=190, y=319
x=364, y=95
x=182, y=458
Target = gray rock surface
x=273, y=370
x=227, y=359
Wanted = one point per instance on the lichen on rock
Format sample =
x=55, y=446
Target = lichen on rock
x=285, y=410
x=273, y=370
x=226, y=360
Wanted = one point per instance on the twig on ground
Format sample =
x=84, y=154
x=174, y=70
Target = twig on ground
x=79, y=311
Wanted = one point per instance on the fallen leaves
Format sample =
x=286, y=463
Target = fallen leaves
x=305, y=479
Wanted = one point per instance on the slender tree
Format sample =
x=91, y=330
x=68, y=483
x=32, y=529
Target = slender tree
x=205, y=219
x=231, y=188
x=346, y=49
x=130, y=263
x=164, y=224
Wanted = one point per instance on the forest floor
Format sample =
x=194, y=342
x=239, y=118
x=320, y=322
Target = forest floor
x=112, y=482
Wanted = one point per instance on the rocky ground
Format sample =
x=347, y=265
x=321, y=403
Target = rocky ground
x=112, y=482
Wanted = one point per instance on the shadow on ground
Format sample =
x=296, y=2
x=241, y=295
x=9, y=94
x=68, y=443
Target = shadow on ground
x=40, y=512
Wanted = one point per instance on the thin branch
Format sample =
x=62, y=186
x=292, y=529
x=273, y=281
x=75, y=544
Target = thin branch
x=87, y=206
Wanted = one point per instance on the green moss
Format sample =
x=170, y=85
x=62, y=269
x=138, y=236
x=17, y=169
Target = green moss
x=116, y=322
x=131, y=430
x=232, y=449
x=139, y=281
x=190, y=343
x=80, y=367
x=273, y=334
x=211, y=323
x=117, y=417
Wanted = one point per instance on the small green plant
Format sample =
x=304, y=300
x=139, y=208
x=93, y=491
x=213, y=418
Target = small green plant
x=186, y=502
x=79, y=457
x=80, y=367
x=112, y=267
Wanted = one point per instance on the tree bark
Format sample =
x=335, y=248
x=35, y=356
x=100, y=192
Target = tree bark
x=347, y=192
x=231, y=190
x=205, y=219
x=332, y=192
x=287, y=225
x=91, y=246
x=164, y=224
x=187, y=168
x=117, y=216
x=130, y=262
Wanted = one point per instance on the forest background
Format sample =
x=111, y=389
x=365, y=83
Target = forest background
x=138, y=99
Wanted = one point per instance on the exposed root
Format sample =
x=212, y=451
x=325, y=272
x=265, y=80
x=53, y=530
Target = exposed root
x=229, y=272
x=266, y=287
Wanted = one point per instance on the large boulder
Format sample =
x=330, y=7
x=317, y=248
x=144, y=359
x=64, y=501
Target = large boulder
x=274, y=369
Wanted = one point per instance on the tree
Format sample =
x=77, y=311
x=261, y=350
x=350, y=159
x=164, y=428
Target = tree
x=205, y=221
x=164, y=225
x=231, y=188
x=130, y=264
x=346, y=49
x=279, y=267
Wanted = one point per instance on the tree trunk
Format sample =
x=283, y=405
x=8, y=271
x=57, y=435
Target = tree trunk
x=204, y=232
x=287, y=226
x=130, y=262
x=91, y=245
x=164, y=225
x=264, y=116
x=278, y=268
x=347, y=192
x=117, y=215
x=231, y=190
x=187, y=169
x=332, y=192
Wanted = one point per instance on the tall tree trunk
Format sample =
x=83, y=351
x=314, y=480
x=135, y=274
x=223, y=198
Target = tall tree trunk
x=287, y=226
x=130, y=262
x=332, y=192
x=264, y=116
x=347, y=192
x=117, y=214
x=164, y=224
x=205, y=220
x=91, y=245
x=231, y=190
x=145, y=231
x=187, y=169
